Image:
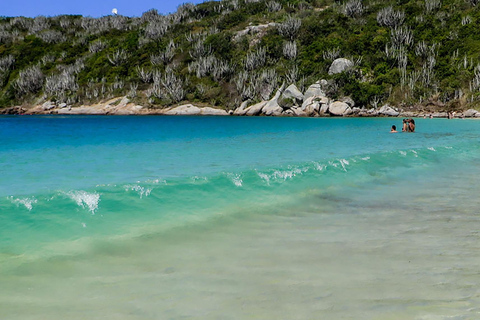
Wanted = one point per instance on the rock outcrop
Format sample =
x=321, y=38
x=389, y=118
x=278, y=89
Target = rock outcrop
x=339, y=108
x=339, y=65
x=314, y=90
x=191, y=110
x=470, y=113
x=255, y=109
x=240, y=111
x=293, y=93
x=272, y=108
x=289, y=102
x=13, y=110
x=386, y=110
x=185, y=110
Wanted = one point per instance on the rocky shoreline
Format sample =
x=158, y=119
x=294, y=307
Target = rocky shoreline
x=288, y=102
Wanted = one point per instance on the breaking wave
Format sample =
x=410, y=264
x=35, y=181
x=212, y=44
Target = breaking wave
x=112, y=210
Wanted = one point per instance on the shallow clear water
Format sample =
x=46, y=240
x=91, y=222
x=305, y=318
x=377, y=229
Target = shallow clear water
x=238, y=218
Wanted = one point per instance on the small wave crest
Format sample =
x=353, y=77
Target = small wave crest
x=27, y=202
x=142, y=191
x=236, y=179
x=85, y=199
x=281, y=175
x=322, y=171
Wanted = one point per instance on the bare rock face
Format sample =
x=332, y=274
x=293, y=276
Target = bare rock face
x=339, y=108
x=339, y=65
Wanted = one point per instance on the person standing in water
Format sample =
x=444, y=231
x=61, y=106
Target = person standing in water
x=411, y=125
x=394, y=129
x=405, y=125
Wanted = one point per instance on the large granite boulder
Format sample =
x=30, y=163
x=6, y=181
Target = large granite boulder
x=316, y=105
x=208, y=111
x=191, y=110
x=312, y=109
x=339, y=65
x=339, y=108
x=48, y=105
x=439, y=115
x=128, y=110
x=185, y=110
x=349, y=101
x=324, y=109
x=272, y=108
x=255, y=109
x=292, y=92
x=98, y=109
x=386, y=110
x=240, y=111
x=314, y=90
x=470, y=113
x=298, y=112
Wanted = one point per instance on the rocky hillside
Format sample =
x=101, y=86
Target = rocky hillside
x=249, y=55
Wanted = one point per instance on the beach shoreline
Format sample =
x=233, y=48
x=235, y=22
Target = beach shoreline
x=123, y=106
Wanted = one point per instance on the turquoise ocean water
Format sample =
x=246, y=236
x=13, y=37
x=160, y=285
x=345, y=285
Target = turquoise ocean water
x=238, y=218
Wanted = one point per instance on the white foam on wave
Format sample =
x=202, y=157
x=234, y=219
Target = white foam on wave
x=365, y=158
x=157, y=181
x=403, y=153
x=264, y=177
x=142, y=191
x=431, y=148
x=344, y=163
x=281, y=174
x=288, y=174
x=201, y=179
x=27, y=202
x=236, y=179
x=319, y=167
x=85, y=199
x=341, y=162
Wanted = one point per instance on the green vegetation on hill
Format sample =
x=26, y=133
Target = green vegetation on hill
x=221, y=53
